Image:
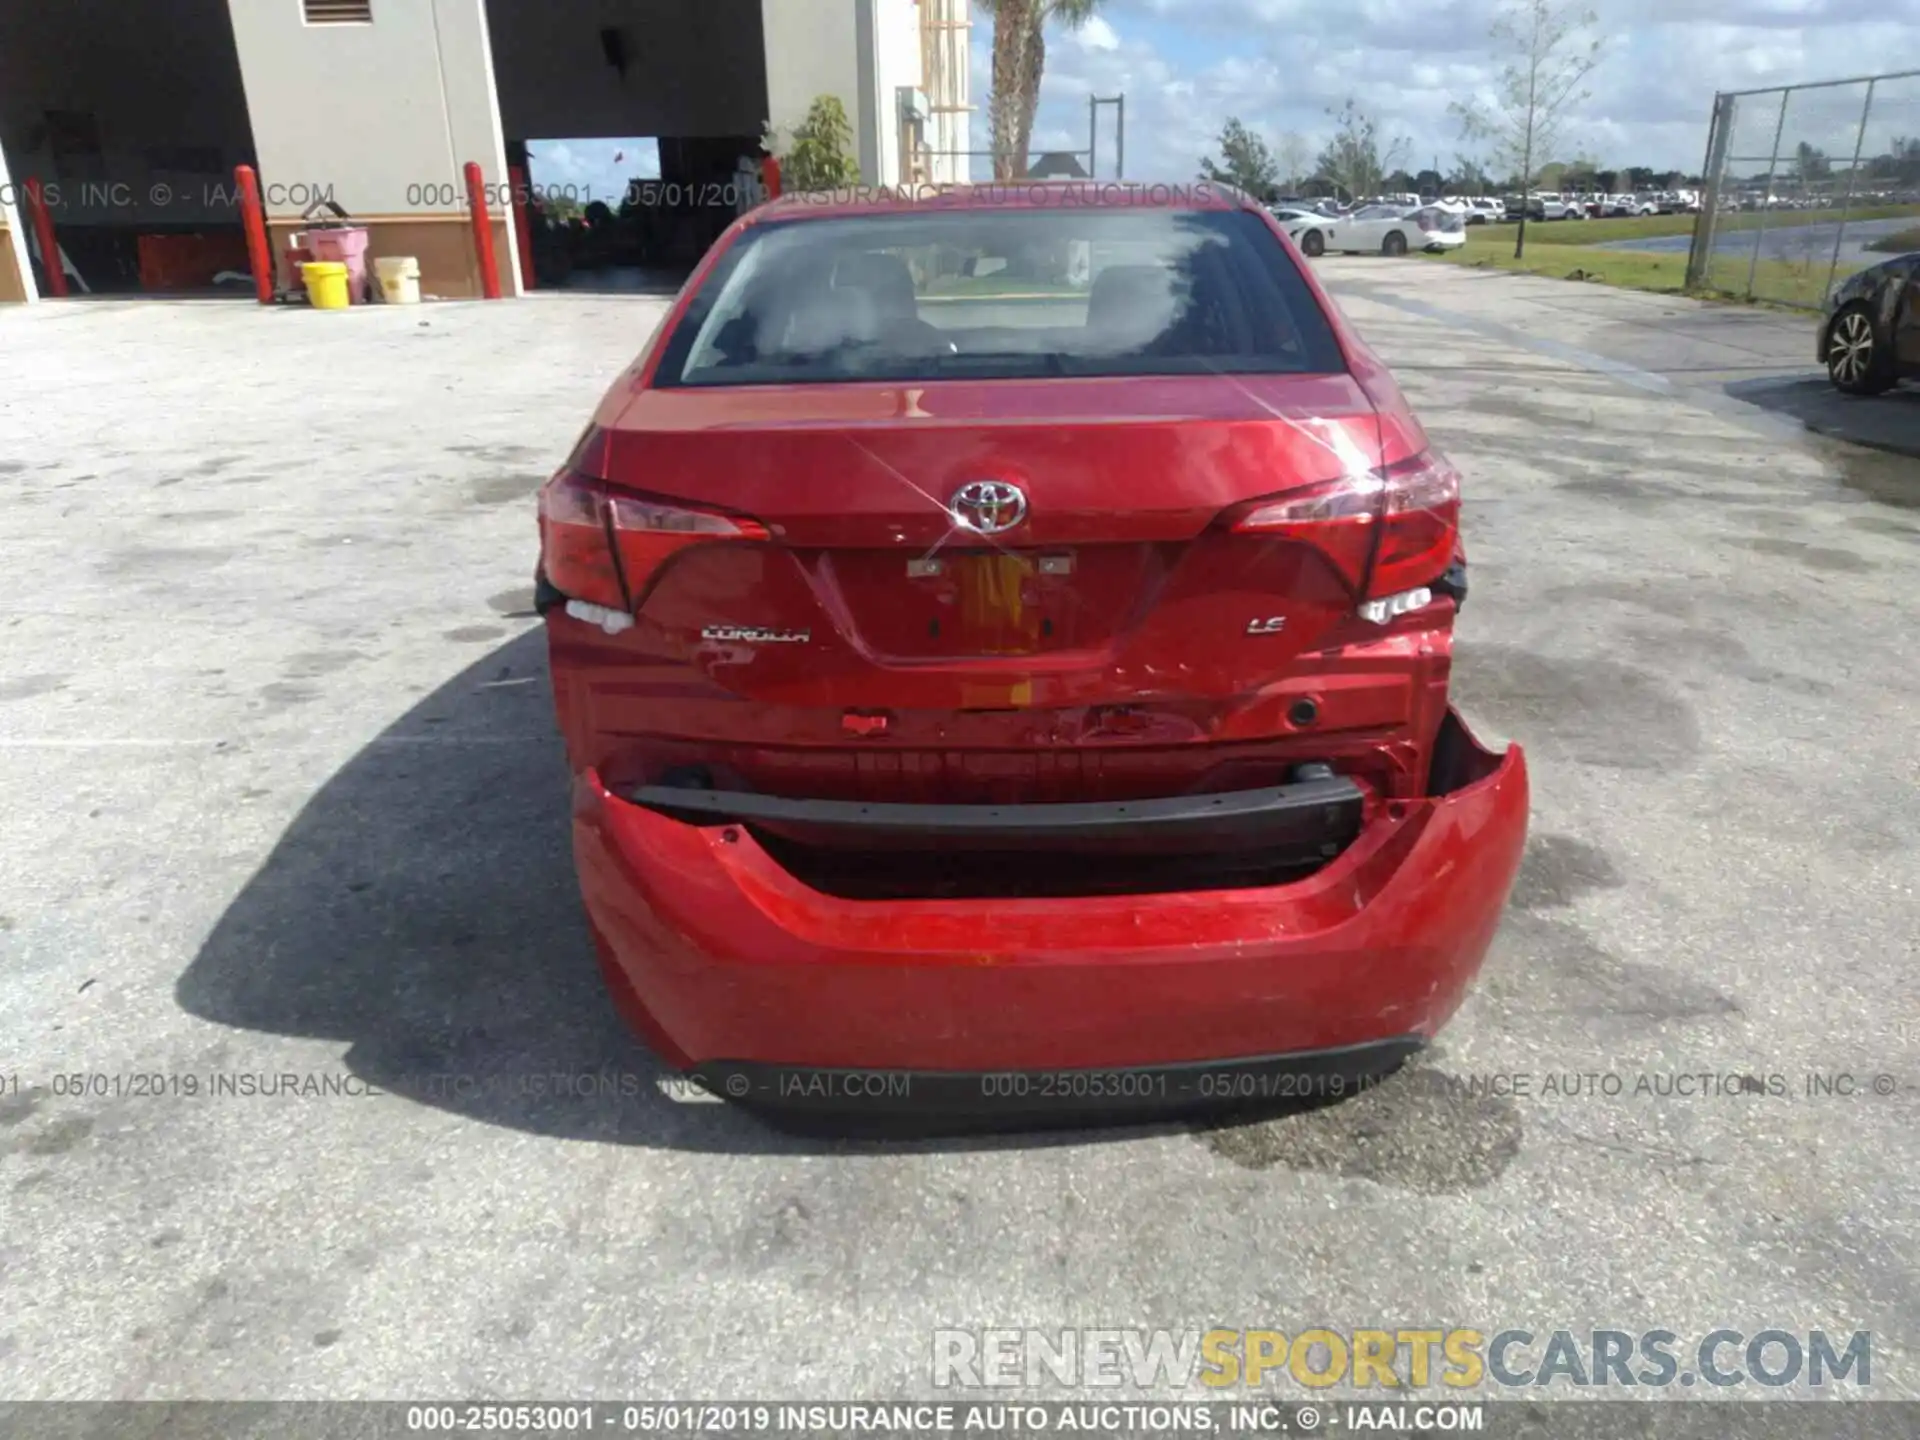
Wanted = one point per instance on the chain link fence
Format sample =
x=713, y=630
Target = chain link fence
x=1806, y=184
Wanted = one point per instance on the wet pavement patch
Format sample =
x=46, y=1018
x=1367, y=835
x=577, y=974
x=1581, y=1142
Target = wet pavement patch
x=1419, y=1130
x=24, y=687
x=1599, y=712
x=504, y=489
x=1557, y=870
x=1547, y=966
x=515, y=604
x=1814, y=557
x=1887, y=426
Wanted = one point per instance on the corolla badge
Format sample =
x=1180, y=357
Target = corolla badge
x=753, y=635
x=988, y=507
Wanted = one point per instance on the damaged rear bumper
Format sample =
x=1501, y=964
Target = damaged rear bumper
x=731, y=967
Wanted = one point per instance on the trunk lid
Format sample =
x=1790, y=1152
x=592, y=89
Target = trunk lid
x=1118, y=552
x=1116, y=582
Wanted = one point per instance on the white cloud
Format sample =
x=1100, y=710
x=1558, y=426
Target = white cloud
x=1282, y=65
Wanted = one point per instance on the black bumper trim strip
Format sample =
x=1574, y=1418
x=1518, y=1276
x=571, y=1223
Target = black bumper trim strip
x=1312, y=812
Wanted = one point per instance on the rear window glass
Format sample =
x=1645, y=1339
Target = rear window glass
x=1001, y=294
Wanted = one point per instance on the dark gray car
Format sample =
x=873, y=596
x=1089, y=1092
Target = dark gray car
x=1870, y=335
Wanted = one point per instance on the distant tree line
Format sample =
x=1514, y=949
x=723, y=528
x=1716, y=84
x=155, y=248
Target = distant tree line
x=1358, y=163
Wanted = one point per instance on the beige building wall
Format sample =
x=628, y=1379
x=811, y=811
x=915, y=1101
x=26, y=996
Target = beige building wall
x=16, y=271
x=866, y=52
x=813, y=49
x=384, y=115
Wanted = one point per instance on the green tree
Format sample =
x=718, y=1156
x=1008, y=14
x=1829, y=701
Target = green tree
x=1244, y=161
x=817, y=155
x=1580, y=175
x=1293, y=157
x=1355, y=159
x=1553, y=54
x=1019, y=62
x=1469, y=177
x=1810, y=164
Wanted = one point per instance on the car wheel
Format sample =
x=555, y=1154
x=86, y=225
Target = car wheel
x=1313, y=243
x=1857, y=363
x=1394, y=244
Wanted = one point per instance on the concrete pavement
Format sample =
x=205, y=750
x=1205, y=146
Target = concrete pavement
x=284, y=802
x=1748, y=364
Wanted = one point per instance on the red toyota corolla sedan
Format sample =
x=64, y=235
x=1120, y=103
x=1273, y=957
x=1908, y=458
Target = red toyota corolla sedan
x=1002, y=645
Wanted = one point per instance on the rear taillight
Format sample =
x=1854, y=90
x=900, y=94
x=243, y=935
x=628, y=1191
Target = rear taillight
x=1386, y=531
x=606, y=547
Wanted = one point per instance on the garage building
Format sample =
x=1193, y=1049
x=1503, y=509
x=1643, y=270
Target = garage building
x=130, y=116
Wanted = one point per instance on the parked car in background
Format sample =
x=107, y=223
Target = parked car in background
x=1396, y=229
x=1309, y=229
x=820, y=661
x=1870, y=335
x=1551, y=206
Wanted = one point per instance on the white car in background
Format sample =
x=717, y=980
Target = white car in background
x=1309, y=229
x=1396, y=229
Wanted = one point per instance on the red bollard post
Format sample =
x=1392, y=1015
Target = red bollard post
x=522, y=224
x=49, y=247
x=482, y=231
x=253, y=217
x=770, y=175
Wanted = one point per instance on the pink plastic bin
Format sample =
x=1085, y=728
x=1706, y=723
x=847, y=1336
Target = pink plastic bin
x=348, y=245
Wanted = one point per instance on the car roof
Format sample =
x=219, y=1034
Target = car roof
x=1007, y=195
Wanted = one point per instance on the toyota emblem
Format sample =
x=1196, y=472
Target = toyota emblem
x=987, y=507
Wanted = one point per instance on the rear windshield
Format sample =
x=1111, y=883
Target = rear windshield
x=1001, y=294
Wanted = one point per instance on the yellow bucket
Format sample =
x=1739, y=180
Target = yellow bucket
x=326, y=282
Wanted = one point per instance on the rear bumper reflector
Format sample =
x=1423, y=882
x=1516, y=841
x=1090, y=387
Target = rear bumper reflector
x=1394, y=606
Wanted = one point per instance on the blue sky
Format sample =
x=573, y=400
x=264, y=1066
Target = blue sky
x=1280, y=65
x=596, y=169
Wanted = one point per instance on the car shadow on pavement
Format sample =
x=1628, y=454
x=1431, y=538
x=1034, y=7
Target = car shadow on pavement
x=1889, y=422
x=422, y=910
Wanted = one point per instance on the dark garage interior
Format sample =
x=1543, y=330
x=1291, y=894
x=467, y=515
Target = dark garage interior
x=689, y=74
x=131, y=115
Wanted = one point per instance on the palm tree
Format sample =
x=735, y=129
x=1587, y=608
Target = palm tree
x=1019, y=60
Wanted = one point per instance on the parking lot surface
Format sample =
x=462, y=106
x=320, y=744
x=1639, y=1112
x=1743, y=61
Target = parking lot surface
x=284, y=805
